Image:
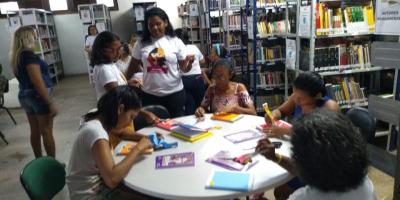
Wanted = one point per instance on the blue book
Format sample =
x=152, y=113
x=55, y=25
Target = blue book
x=237, y=181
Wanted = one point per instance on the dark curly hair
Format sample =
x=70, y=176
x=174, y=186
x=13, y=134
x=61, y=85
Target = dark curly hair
x=310, y=82
x=169, y=30
x=329, y=152
x=102, y=41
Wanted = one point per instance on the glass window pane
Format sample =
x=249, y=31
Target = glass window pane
x=58, y=5
x=108, y=3
x=8, y=6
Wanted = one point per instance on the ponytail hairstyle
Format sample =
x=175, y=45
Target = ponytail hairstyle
x=310, y=82
x=107, y=106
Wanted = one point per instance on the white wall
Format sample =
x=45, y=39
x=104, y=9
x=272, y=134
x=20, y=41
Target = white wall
x=69, y=30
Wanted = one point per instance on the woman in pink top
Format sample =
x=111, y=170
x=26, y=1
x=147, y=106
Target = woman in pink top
x=225, y=95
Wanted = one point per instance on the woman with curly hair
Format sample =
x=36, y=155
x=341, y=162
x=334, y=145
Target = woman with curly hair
x=329, y=156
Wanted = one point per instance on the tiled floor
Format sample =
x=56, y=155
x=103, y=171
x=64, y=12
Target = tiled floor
x=74, y=96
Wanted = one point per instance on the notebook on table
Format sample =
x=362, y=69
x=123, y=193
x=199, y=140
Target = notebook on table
x=243, y=136
x=237, y=181
x=190, y=133
x=227, y=117
x=279, y=123
x=168, y=124
x=226, y=160
x=175, y=160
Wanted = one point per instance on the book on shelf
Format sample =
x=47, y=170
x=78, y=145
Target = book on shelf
x=223, y=180
x=273, y=101
x=351, y=19
x=272, y=22
x=347, y=92
x=227, y=117
x=342, y=57
x=175, y=160
x=226, y=160
x=189, y=133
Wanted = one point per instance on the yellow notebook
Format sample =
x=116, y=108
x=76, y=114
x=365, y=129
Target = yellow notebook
x=127, y=148
x=193, y=139
x=228, y=117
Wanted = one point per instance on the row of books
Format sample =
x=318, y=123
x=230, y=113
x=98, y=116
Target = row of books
x=213, y=4
x=353, y=56
x=263, y=3
x=53, y=57
x=274, y=53
x=348, y=92
x=271, y=23
x=234, y=39
x=232, y=3
x=273, y=101
x=271, y=78
x=351, y=19
x=234, y=22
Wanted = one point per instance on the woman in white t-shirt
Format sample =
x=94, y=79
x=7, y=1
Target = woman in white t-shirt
x=193, y=81
x=92, y=171
x=107, y=76
x=163, y=57
x=90, y=37
x=329, y=156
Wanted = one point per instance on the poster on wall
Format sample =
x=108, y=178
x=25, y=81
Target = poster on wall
x=85, y=16
x=290, y=54
x=305, y=21
x=387, y=17
x=139, y=13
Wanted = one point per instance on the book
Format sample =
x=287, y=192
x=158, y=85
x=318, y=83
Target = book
x=175, y=160
x=279, y=123
x=228, y=117
x=168, y=124
x=190, y=133
x=243, y=136
x=226, y=160
x=127, y=148
x=237, y=181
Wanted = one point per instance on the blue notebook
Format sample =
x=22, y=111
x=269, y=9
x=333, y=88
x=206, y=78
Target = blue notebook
x=237, y=181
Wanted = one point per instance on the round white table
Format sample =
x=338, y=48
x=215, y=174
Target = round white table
x=188, y=183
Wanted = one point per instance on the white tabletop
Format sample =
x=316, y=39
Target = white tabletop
x=189, y=182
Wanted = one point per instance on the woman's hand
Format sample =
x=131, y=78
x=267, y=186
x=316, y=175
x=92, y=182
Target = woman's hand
x=200, y=112
x=144, y=144
x=267, y=149
x=150, y=117
x=135, y=83
x=276, y=131
x=268, y=120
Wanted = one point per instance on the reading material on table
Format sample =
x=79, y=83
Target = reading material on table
x=279, y=123
x=227, y=160
x=190, y=133
x=175, y=160
x=168, y=124
x=243, y=136
x=126, y=148
x=228, y=117
x=237, y=181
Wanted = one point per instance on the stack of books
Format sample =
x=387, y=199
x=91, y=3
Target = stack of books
x=347, y=93
x=190, y=133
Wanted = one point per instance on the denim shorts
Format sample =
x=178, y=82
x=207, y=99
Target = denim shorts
x=32, y=103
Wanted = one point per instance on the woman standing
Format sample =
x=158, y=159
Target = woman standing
x=90, y=37
x=35, y=86
x=163, y=57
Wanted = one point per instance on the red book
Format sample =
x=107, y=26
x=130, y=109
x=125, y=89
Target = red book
x=168, y=124
x=279, y=123
x=317, y=20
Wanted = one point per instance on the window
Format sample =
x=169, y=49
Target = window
x=57, y=5
x=8, y=6
x=108, y=3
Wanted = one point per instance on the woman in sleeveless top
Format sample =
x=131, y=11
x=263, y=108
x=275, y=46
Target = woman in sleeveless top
x=225, y=95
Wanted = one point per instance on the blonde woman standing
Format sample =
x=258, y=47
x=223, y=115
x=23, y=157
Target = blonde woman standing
x=35, y=88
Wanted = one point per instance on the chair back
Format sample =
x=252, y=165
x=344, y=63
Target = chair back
x=160, y=111
x=361, y=118
x=43, y=178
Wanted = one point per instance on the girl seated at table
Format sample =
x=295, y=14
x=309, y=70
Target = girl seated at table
x=225, y=95
x=308, y=94
x=91, y=169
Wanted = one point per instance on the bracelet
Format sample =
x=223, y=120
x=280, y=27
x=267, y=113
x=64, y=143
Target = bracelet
x=279, y=156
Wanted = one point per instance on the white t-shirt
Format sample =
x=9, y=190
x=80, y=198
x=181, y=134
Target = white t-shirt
x=83, y=176
x=106, y=73
x=193, y=50
x=161, y=72
x=365, y=192
x=123, y=65
x=90, y=40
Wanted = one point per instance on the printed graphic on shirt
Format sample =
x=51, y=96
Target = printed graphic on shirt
x=157, y=61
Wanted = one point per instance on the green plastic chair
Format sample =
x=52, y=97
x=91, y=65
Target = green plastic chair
x=43, y=178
